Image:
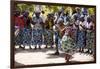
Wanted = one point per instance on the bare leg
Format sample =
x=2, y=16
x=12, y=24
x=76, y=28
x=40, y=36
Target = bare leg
x=39, y=47
x=67, y=57
x=46, y=46
x=35, y=47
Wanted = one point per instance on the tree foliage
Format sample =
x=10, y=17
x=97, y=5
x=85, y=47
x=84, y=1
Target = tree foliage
x=49, y=8
x=23, y=7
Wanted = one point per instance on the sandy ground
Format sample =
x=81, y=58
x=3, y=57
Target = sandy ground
x=43, y=56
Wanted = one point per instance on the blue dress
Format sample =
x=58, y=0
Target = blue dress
x=19, y=37
x=37, y=32
x=26, y=37
x=48, y=37
x=81, y=38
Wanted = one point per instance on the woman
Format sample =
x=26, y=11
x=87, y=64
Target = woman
x=48, y=31
x=37, y=31
x=75, y=21
x=90, y=36
x=81, y=35
x=68, y=43
x=19, y=26
x=58, y=32
x=27, y=29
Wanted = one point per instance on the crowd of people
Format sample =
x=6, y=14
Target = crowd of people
x=75, y=32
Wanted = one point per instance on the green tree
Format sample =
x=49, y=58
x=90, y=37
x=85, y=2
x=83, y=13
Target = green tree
x=23, y=7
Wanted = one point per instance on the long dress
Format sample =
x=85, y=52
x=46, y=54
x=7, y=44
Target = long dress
x=26, y=37
x=26, y=32
x=81, y=37
x=16, y=31
x=90, y=41
x=37, y=31
x=19, y=25
x=74, y=36
x=68, y=43
x=48, y=33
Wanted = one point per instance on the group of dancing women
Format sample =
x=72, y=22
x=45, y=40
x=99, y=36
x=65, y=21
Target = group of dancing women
x=69, y=32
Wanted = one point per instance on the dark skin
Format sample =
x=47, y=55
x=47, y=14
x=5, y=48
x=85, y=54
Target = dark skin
x=46, y=24
x=27, y=21
x=76, y=25
x=84, y=28
x=90, y=29
x=38, y=16
x=59, y=13
x=59, y=28
x=50, y=18
x=17, y=13
x=89, y=21
x=67, y=55
x=82, y=20
x=87, y=28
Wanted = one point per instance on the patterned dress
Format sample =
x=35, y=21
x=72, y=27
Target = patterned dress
x=90, y=41
x=48, y=32
x=37, y=31
x=48, y=37
x=19, y=25
x=26, y=37
x=68, y=43
x=74, y=36
x=81, y=37
x=26, y=32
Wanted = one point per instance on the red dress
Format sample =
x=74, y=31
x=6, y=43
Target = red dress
x=19, y=21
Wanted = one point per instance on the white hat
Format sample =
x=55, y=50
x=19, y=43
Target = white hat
x=60, y=20
x=38, y=8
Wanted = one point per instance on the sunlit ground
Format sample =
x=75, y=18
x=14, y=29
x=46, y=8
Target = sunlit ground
x=32, y=57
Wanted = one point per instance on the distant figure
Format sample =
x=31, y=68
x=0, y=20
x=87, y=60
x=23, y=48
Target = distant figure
x=68, y=43
x=81, y=35
x=27, y=29
x=37, y=31
x=48, y=31
x=58, y=34
x=90, y=35
x=17, y=22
